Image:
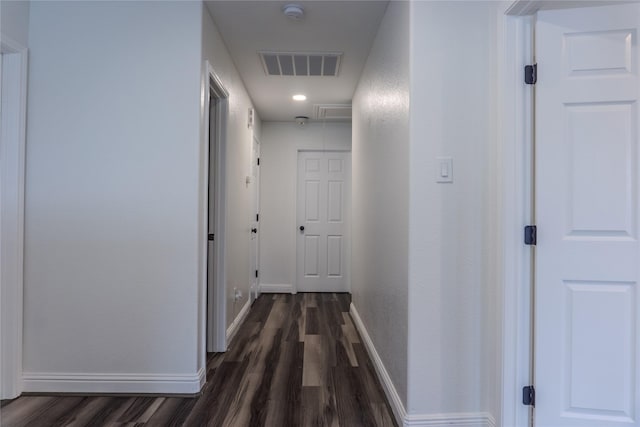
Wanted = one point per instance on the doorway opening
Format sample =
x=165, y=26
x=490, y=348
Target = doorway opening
x=216, y=113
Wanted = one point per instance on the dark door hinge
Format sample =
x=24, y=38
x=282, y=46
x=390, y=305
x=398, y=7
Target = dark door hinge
x=530, y=235
x=211, y=236
x=531, y=74
x=258, y=161
x=257, y=217
x=256, y=273
x=529, y=396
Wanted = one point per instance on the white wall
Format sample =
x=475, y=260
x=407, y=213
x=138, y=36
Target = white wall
x=278, y=176
x=452, y=247
x=238, y=159
x=14, y=21
x=111, y=272
x=381, y=193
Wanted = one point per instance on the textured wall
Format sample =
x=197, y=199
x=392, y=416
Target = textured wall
x=381, y=193
x=14, y=21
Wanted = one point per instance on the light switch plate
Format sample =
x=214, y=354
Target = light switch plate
x=444, y=169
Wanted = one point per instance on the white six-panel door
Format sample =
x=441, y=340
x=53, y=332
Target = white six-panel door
x=324, y=183
x=587, y=211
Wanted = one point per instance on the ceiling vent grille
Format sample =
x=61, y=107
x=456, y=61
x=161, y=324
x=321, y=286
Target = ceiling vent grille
x=301, y=64
x=332, y=112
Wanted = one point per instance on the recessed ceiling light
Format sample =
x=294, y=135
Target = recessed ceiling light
x=299, y=97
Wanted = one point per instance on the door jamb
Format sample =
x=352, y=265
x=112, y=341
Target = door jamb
x=215, y=338
x=515, y=44
x=12, y=167
x=254, y=293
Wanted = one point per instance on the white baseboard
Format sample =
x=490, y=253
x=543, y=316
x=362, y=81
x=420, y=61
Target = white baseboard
x=232, y=330
x=267, y=288
x=43, y=382
x=475, y=419
x=397, y=406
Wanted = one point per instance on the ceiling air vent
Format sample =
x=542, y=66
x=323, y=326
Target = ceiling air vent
x=301, y=64
x=332, y=112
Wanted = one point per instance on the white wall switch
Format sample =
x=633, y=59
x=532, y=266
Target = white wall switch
x=444, y=169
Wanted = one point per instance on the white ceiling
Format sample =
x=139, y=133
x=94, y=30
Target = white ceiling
x=248, y=27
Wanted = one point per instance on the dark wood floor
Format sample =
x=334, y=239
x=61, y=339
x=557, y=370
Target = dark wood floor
x=296, y=361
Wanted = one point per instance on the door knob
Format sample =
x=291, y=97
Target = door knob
x=302, y=228
x=254, y=230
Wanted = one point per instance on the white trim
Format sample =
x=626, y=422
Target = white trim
x=530, y=7
x=232, y=330
x=43, y=382
x=515, y=44
x=523, y=8
x=254, y=289
x=397, y=406
x=324, y=150
x=12, y=182
x=270, y=288
x=215, y=318
x=471, y=419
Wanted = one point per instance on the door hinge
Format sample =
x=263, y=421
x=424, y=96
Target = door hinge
x=529, y=396
x=531, y=74
x=258, y=161
x=256, y=273
x=211, y=236
x=530, y=235
x=257, y=217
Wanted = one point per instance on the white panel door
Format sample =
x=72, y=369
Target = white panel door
x=587, y=257
x=324, y=185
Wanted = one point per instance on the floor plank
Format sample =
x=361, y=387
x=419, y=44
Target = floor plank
x=173, y=412
x=297, y=360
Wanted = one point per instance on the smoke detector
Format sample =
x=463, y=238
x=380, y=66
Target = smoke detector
x=302, y=120
x=295, y=12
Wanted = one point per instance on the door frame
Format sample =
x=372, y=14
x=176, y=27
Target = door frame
x=515, y=127
x=515, y=43
x=212, y=298
x=12, y=168
x=348, y=223
x=254, y=288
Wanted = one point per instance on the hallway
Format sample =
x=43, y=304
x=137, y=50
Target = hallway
x=112, y=296
x=296, y=361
